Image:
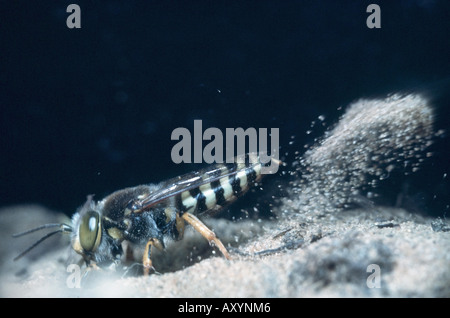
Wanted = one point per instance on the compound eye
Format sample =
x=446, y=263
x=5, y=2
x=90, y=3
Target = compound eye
x=90, y=231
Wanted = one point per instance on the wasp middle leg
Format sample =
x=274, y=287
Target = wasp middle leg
x=146, y=260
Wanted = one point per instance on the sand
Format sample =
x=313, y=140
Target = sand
x=327, y=236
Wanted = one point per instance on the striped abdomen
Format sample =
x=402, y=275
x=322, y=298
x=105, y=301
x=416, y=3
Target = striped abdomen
x=227, y=185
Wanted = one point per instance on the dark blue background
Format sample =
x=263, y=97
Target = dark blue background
x=91, y=110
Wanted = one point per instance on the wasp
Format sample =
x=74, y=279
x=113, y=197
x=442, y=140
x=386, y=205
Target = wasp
x=147, y=216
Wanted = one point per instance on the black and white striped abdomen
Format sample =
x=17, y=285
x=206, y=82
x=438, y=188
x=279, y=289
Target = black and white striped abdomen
x=231, y=181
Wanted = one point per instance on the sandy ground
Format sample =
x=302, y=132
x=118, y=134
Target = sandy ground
x=321, y=256
x=314, y=247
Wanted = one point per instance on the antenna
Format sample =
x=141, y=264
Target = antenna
x=63, y=228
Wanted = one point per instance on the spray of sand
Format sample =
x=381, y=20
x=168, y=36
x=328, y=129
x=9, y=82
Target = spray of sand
x=371, y=140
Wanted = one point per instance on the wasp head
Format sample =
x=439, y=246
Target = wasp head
x=91, y=240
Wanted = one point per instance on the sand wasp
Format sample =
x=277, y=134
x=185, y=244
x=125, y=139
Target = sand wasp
x=148, y=215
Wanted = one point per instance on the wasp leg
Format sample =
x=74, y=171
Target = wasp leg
x=205, y=232
x=179, y=224
x=129, y=256
x=146, y=261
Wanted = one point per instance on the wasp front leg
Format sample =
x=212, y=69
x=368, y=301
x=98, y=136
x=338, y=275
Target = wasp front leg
x=146, y=258
x=200, y=227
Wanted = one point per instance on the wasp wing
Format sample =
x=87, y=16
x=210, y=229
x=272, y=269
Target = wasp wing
x=193, y=180
x=186, y=182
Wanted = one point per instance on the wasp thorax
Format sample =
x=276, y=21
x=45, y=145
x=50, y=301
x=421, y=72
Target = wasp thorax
x=90, y=231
